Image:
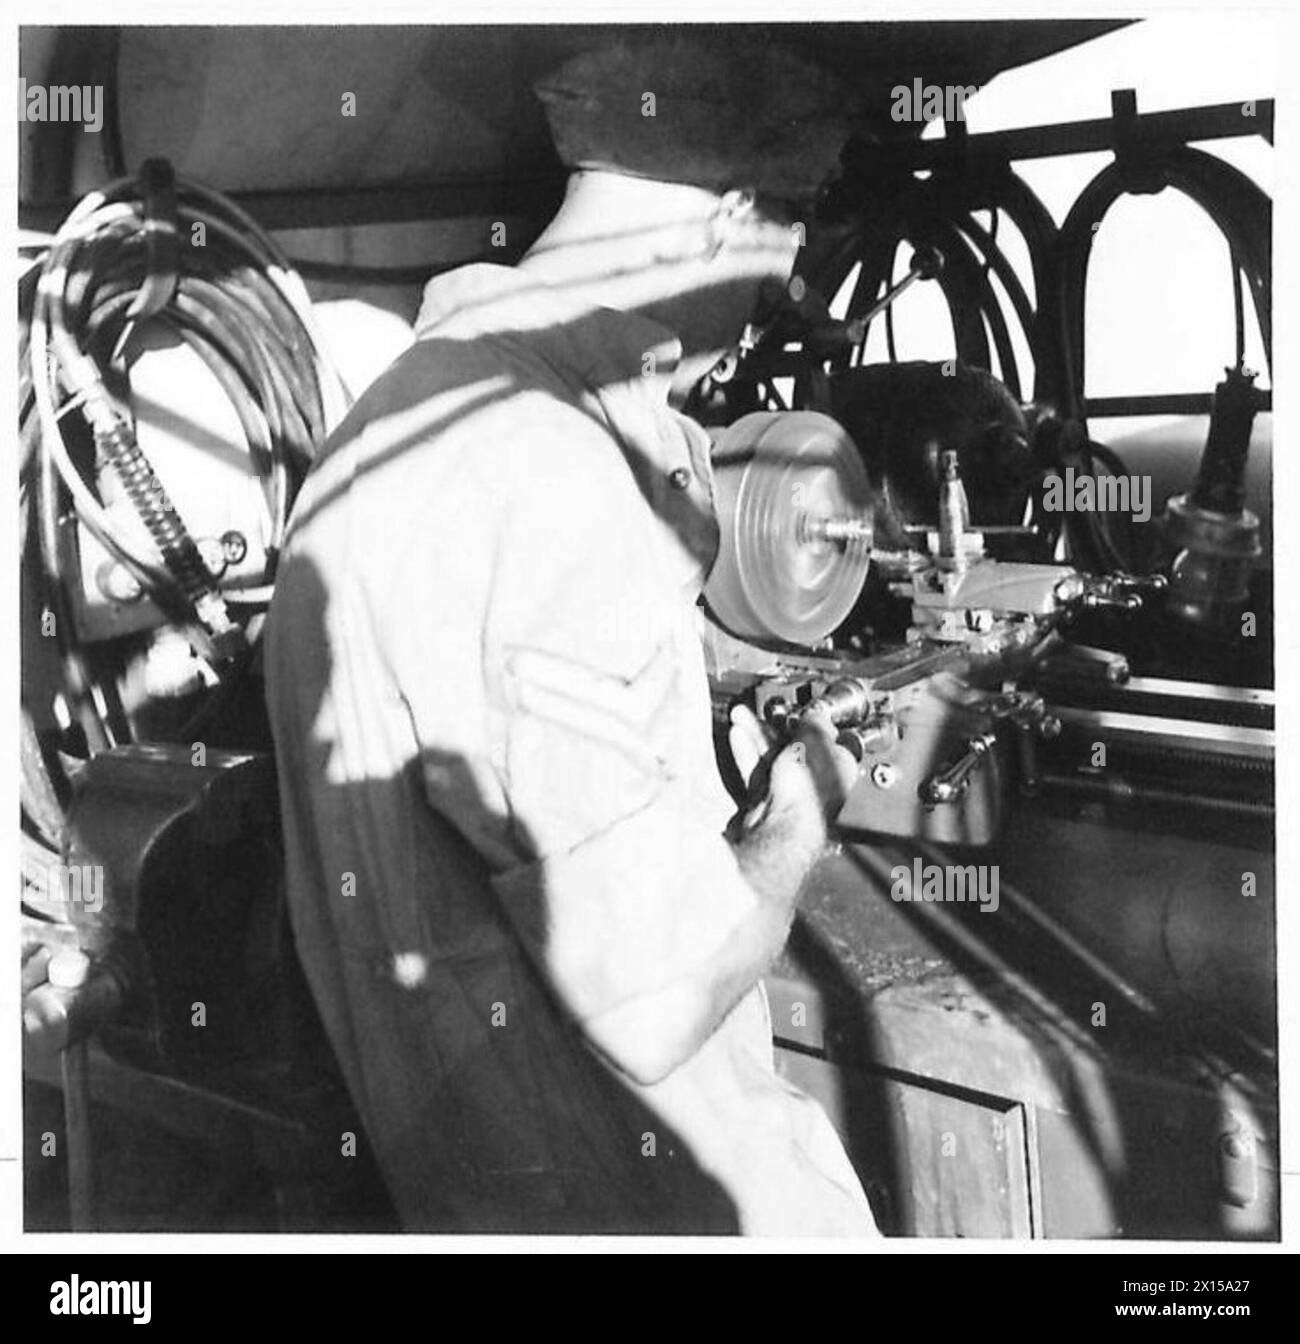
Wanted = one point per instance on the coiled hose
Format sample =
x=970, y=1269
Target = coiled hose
x=225, y=289
x=204, y=270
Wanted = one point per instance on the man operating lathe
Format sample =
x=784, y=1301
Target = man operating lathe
x=534, y=928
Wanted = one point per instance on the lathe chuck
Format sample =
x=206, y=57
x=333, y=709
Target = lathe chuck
x=794, y=506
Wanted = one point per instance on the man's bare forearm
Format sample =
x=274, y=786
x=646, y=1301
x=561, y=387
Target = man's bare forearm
x=775, y=850
x=775, y=853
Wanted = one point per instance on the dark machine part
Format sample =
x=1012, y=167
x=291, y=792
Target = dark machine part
x=1172, y=756
x=194, y=1027
x=1165, y=766
x=1189, y=919
x=1216, y=536
x=829, y=335
x=192, y=928
x=926, y=264
x=904, y=417
x=743, y=380
x=1221, y=480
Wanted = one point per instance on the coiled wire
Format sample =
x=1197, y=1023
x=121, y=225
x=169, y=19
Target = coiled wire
x=237, y=304
x=234, y=300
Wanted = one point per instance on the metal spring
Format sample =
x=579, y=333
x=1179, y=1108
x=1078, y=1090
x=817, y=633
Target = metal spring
x=165, y=525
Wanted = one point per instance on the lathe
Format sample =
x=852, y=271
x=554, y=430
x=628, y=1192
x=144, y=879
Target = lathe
x=1119, y=823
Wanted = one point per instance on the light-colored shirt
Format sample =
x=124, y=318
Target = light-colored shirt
x=503, y=815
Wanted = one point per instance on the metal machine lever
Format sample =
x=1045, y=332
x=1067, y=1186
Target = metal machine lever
x=926, y=264
x=1024, y=709
x=949, y=785
x=1122, y=592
